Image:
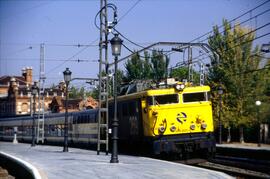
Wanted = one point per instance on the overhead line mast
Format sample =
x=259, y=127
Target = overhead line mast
x=103, y=112
x=41, y=104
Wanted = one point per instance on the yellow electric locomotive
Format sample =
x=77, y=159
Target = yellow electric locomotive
x=172, y=119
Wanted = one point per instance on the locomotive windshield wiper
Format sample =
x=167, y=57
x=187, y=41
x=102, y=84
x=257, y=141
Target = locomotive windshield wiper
x=156, y=103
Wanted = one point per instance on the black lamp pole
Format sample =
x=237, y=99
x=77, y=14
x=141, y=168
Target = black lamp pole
x=258, y=103
x=116, y=43
x=67, y=78
x=220, y=92
x=34, y=93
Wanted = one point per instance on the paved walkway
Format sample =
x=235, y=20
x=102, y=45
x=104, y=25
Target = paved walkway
x=78, y=163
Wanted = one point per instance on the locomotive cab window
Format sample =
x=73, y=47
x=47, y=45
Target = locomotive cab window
x=163, y=99
x=195, y=97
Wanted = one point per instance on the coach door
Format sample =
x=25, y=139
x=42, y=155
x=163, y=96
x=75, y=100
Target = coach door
x=134, y=118
x=128, y=114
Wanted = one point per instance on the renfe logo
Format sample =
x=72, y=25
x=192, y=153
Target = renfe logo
x=181, y=116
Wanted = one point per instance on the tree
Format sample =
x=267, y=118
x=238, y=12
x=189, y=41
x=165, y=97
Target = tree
x=120, y=79
x=181, y=73
x=146, y=66
x=152, y=67
x=137, y=68
x=159, y=67
x=236, y=70
x=75, y=93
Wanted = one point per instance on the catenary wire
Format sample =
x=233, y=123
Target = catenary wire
x=234, y=19
x=129, y=10
x=265, y=25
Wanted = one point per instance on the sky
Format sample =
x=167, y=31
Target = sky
x=63, y=24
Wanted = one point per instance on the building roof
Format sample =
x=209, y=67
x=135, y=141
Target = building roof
x=4, y=95
x=4, y=80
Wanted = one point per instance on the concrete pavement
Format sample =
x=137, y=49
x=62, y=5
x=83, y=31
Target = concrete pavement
x=52, y=163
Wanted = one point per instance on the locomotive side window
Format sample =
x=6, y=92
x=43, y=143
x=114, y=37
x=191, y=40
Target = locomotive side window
x=150, y=100
x=195, y=97
x=163, y=99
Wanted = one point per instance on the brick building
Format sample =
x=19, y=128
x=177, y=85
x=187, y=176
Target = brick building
x=16, y=98
x=15, y=94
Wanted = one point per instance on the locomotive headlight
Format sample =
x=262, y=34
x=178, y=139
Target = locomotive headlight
x=161, y=129
x=192, y=126
x=180, y=87
x=204, y=126
x=173, y=128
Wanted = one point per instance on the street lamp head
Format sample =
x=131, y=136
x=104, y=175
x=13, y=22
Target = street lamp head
x=116, y=44
x=220, y=90
x=265, y=48
x=34, y=88
x=67, y=75
x=258, y=103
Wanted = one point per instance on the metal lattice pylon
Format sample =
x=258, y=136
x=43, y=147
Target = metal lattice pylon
x=103, y=113
x=41, y=106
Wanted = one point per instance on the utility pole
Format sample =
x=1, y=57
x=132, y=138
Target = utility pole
x=41, y=107
x=190, y=65
x=201, y=74
x=103, y=113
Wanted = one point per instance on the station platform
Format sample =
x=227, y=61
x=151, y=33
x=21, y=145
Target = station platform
x=250, y=146
x=244, y=150
x=50, y=162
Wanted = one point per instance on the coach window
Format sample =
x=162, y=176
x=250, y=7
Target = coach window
x=88, y=118
x=195, y=97
x=83, y=119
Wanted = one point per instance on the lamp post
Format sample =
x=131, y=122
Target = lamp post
x=116, y=43
x=258, y=103
x=67, y=78
x=34, y=90
x=220, y=92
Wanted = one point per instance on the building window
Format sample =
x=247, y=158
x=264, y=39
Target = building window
x=24, y=108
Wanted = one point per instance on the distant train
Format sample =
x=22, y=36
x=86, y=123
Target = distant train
x=174, y=119
x=82, y=127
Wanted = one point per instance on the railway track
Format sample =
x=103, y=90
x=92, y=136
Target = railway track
x=234, y=166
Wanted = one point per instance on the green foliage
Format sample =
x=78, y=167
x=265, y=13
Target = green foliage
x=134, y=67
x=120, y=79
x=94, y=93
x=181, y=73
x=159, y=65
x=148, y=67
x=77, y=93
x=137, y=68
x=236, y=70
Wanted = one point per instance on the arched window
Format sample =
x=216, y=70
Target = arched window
x=24, y=108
